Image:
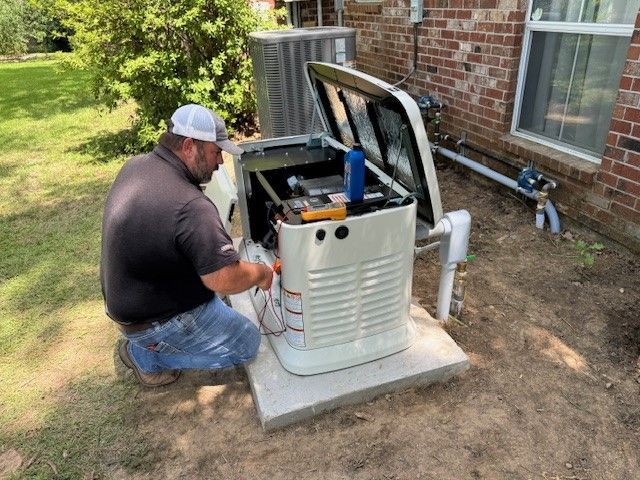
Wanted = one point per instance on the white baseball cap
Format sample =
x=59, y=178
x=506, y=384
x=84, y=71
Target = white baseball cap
x=200, y=123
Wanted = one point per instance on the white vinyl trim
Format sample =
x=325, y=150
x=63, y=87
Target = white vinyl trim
x=522, y=75
x=549, y=143
x=613, y=29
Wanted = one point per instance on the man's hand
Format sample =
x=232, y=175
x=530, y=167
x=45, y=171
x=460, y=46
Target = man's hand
x=238, y=277
x=265, y=282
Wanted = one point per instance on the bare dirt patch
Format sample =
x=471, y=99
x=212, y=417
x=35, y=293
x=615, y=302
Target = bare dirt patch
x=10, y=462
x=553, y=389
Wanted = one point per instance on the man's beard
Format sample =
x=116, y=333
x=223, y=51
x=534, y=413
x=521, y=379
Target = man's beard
x=201, y=170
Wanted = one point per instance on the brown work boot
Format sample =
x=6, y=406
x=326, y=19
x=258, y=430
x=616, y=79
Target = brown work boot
x=146, y=379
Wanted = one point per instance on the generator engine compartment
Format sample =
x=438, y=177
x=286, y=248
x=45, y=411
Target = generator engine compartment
x=283, y=182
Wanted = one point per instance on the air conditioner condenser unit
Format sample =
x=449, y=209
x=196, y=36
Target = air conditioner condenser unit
x=285, y=103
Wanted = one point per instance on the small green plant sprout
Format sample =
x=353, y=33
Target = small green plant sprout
x=585, y=252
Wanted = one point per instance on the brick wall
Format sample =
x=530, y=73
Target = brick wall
x=616, y=190
x=468, y=57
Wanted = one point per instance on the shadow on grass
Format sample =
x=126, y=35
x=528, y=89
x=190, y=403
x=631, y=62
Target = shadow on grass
x=106, y=147
x=91, y=432
x=24, y=97
x=6, y=169
x=52, y=265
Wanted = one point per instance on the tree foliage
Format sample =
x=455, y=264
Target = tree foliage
x=29, y=25
x=13, y=32
x=164, y=54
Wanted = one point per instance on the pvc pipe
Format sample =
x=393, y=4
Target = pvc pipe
x=437, y=231
x=444, y=291
x=549, y=209
x=417, y=251
x=462, y=143
x=552, y=216
x=477, y=167
x=540, y=219
x=453, y=250
x=319, y=13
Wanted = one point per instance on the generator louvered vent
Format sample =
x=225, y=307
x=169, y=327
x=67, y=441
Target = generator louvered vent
x=285, y=104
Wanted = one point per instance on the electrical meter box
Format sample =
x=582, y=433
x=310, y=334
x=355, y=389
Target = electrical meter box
x=344, y=290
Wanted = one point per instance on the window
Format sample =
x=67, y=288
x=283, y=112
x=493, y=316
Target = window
x=572, y=59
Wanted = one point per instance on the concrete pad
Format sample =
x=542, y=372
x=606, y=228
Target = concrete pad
x=282, y=398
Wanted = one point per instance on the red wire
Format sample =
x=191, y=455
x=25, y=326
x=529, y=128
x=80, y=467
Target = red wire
x=261, y=314
x=280, y=320
x=275, y=250
x=269, y=299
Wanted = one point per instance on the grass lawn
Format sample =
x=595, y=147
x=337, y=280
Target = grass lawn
x=61, y=406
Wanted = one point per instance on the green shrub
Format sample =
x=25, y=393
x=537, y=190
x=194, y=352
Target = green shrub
x=46, y=32
x=13, y=32
x=29, y=25
x=164, y=54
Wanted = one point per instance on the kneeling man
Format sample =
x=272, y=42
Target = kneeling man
x=166, y=258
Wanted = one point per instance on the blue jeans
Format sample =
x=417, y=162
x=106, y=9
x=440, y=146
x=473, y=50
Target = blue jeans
x=212, y=335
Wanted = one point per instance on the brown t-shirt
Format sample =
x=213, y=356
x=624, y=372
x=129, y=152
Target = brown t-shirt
x=159, y=234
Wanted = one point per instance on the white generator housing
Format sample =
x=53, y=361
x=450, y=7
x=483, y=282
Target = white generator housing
x=344, y=292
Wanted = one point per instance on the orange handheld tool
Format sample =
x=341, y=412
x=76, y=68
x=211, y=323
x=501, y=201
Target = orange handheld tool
x=329, y=211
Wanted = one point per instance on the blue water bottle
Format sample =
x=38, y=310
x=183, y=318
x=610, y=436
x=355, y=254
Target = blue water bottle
x=354, y=173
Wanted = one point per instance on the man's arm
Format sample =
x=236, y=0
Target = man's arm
x=238, y=277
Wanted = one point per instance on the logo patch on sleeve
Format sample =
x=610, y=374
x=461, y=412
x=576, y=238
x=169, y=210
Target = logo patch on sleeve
x=226, y=248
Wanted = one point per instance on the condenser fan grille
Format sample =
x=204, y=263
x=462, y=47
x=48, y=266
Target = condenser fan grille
x=285, y=103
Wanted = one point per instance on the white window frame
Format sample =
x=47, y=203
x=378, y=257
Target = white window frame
x=618, y=30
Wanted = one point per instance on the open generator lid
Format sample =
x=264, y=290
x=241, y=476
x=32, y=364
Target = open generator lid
x=386, y=121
